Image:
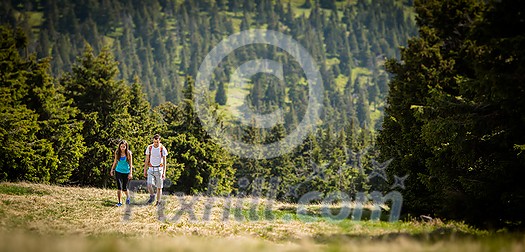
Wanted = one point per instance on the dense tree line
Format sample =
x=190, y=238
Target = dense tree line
x=65, y=130
x=41, y=141
x=455, y=113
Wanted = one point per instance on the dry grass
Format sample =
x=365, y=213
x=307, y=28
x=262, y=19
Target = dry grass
x=91, y=212
x=36, y=217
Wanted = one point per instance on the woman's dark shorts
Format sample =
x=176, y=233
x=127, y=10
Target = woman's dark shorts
x=122, y=180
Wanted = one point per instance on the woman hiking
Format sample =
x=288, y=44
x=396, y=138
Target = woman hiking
x=122, y=169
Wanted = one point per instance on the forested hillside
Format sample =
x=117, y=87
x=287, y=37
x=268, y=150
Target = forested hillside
x=164, y=41
x=126, y=70
x=423, y=97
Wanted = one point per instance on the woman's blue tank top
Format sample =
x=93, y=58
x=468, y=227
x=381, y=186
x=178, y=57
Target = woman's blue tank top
x=122, y=165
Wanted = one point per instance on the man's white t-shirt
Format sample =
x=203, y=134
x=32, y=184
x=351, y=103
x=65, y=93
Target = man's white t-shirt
x=155, y=157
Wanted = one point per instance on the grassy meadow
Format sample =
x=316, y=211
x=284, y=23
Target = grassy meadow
x=36, y=217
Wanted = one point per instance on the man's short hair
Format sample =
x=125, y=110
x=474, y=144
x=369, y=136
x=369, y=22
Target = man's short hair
x=156, y=137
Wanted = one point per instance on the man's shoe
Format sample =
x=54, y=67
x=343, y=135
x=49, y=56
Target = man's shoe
x=151, y=198
x=118, y=204
x=127, y=201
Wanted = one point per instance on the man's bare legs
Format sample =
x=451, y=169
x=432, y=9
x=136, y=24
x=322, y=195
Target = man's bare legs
x=151, y=193
x=159, y=193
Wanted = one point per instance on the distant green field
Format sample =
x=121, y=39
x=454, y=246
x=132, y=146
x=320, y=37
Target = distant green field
x=36, y=217
x=237, y=95
x=236, y=98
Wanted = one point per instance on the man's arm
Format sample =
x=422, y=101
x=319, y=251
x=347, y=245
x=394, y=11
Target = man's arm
x=165, y=167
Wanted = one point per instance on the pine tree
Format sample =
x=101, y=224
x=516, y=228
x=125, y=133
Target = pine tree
x=282, y=166
x=307, y=4
x=220, y=96
x=245, y=23
x=144, y=124
x=103, y=102
x=196, y=158
x=362, y=108
x=438, y=122
x=41, y=141
x=327, y=4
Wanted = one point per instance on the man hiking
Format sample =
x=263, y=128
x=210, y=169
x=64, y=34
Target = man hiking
x=155, y=168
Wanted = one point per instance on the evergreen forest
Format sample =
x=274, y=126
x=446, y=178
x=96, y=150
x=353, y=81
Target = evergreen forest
x=423, y=97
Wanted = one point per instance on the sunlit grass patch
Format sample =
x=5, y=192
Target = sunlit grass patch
x=340, y=82
x=359, y=71
x=36, y=18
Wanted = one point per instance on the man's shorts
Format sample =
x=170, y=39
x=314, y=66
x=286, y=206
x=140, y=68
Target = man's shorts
x=155, y=177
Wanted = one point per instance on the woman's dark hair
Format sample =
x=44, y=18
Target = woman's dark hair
x=118, y=152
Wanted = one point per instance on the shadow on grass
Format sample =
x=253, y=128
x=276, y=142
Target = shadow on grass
x=113, y=203
x=108, y=203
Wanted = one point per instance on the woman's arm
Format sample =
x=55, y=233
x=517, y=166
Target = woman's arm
x=113, y=166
